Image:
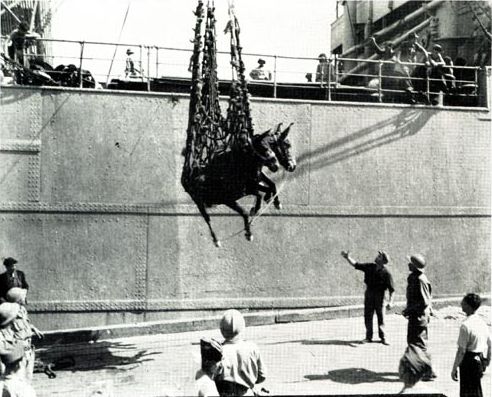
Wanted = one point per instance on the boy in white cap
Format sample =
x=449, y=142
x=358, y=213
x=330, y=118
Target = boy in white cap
x=23, y=330
x=211, y=352
x=13, y=382
x=243, y=367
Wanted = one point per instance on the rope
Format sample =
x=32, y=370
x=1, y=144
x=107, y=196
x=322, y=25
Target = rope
x=119, y=39
x=268, y=205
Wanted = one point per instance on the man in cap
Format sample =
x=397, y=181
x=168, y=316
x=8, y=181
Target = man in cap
x=377, y=279
x=211, y=352
x=11, y=278
x=13, y=382
x=243, y=366
x=260, y=73
x=435, y=62
x=130, y=70
x=419, y=305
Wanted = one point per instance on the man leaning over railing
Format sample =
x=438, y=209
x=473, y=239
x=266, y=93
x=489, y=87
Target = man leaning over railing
x=404, y=70
x=435, y=62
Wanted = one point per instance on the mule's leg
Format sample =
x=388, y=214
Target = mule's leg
x=206, y=216
x=258, y=196
x=240, y=210
x=272, y=191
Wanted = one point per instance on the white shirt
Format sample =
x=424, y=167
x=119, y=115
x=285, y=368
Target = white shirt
x=474, y=334
x=205, y=386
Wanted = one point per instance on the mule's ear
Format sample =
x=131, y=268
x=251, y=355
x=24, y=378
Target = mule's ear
x=286, y=131
x=267, y=132
x=279, y=126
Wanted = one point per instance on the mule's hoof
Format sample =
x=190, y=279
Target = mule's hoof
x=218, y=244
x=252, y=212
x=249, y=236
x=278, y=206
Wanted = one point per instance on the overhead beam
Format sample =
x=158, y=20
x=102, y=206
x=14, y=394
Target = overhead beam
x=7, y=8
x=399, y=24
x=396, y=42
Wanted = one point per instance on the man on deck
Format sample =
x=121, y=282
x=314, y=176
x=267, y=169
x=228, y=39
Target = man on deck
x=260, y=73
x=377, y=279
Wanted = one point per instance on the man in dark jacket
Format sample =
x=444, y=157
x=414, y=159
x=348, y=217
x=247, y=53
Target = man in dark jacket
x=11, y=278
x=377, y=279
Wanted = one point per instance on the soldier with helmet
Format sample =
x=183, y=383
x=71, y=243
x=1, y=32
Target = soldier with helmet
x=243, y=367
x=419, y=306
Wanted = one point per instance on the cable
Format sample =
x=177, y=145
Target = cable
x=119, y=39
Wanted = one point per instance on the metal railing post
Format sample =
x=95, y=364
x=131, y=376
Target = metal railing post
x=427, y=89
x=274, y=76
x=475, y=92
x=156, y=62
x=336, y=69
x=380, y=85
x=140, y=62
x=329, y=80
x=81, y=81
x=148, y=68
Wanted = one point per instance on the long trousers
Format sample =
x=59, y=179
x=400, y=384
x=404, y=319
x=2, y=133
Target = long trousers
x=417, y=333
x=373, y=302
x=470, y=373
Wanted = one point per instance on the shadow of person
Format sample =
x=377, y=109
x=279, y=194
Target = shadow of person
x=355, y=376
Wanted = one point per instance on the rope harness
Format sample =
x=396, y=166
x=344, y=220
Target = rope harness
x=209, y=133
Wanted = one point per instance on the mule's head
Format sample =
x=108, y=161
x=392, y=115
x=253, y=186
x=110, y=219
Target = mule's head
x=274, y=149
x=283, y=148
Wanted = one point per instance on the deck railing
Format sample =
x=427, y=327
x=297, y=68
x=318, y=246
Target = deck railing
x=153, y=62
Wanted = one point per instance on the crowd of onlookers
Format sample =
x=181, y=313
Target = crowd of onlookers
x=234, y=366
x=411, y=73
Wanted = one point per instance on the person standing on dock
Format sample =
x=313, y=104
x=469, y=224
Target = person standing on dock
x=377, y=279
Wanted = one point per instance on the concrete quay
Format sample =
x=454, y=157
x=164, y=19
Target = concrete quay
x=318, y=357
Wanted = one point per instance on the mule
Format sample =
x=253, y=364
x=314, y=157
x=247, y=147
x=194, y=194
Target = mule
x=237, y=172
